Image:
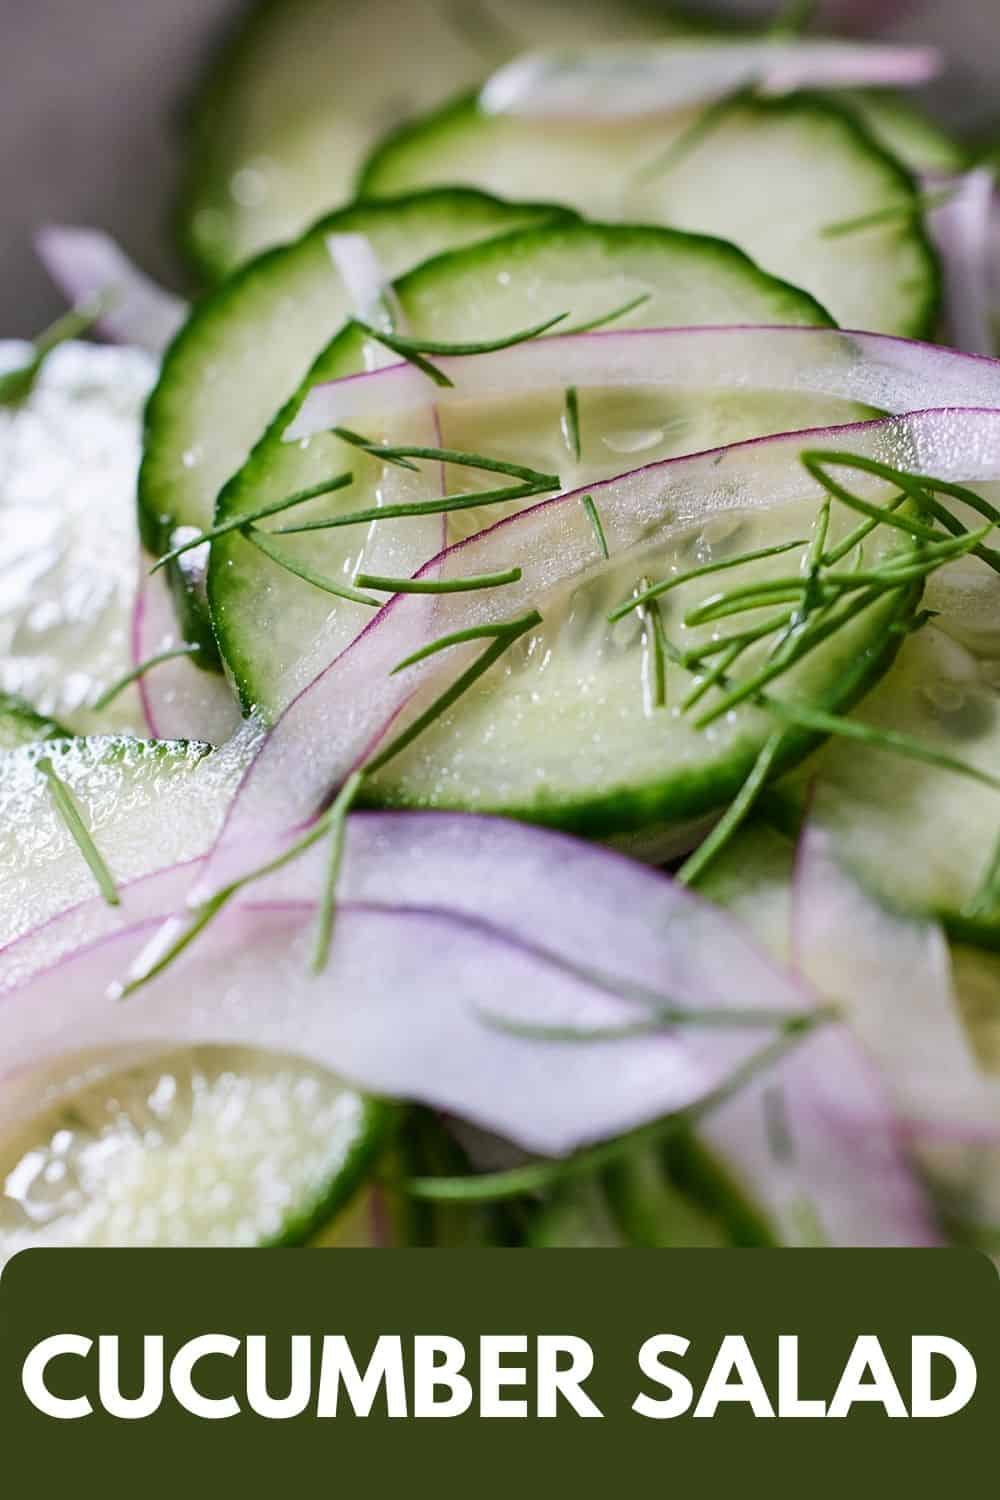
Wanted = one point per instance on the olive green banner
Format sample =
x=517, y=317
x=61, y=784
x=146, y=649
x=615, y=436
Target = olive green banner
x=495, y=1372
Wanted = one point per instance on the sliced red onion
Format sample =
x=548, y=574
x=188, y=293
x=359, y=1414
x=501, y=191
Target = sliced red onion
x=427, y=996
x=892, y=976
x=961, y=227
x=615, y=926
x=630, y=80
x=564, y=898
x=179, y=700
x=830, y=1169
x=87, y=264
x=335, y=723
x=891, y=374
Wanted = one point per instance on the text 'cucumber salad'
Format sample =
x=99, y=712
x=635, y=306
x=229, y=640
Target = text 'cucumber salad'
x=500, y=693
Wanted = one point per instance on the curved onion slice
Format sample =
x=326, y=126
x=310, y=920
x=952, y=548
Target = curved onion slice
x=87, y=264
x=336, y=722
x=433, y=993
x=624, y=81
x=892, y=976
x=893, y=375
x=179, y=700
x=960, y=227
x=555, y=894
x=448, y=924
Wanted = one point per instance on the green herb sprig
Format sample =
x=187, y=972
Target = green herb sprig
x=65, y=805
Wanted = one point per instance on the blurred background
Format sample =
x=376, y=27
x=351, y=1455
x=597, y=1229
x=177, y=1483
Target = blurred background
x=95, y=93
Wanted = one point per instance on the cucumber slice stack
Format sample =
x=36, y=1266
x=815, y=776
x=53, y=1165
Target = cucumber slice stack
x=275, y=631
x=307, y=86
x=218, y=389
x=572, y=560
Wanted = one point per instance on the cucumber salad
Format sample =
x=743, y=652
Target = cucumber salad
x=500, y=690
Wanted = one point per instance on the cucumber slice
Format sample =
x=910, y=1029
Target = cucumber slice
x=921, y=839
x=771, y=175
x=147, y=804
x=307, y=86
x=246, y=347
x=563, y=730
x=21, y=725
x=68, y=460
x=276, y=632
x=906, y=131
x=208, y=1147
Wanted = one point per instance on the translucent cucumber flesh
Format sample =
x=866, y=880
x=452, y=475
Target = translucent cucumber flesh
x=69, y=455
x=770, y=176
x=311, y=85
x=565, y=728
x=276, y=632
x=920, y=837
x=211, y=1147
x=147, y=805
x=284, y=631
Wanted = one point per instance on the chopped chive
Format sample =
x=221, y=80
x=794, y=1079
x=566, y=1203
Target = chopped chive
x=111, y=693
x=377, y=450
x=860, y=534
x=654, y=655
x=261, y=540
x=16, y=385
x=811, y=637
x=337, y=823
x=572, y=421
x=707, y=120
x=920, y=203
x=881, y=514
x=904, y=569
x=438, y=586
x=720, y=566
x=209, y=909
x=735, y=815
x=920, y=490
x=727, y=659
x=951, y=523
x=603, y=319
x=327, y=487
x=441, y=507
x=537, y=1176
x=457, y=638
x=68, y=811
x=466, y=460
x=661, y=1018
x=415, y=350
x=884, y=739
x=411, y=356
x=593, y=516
x=512, y=632
x=722, y=606
x=696, y=655
x=481, y=346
